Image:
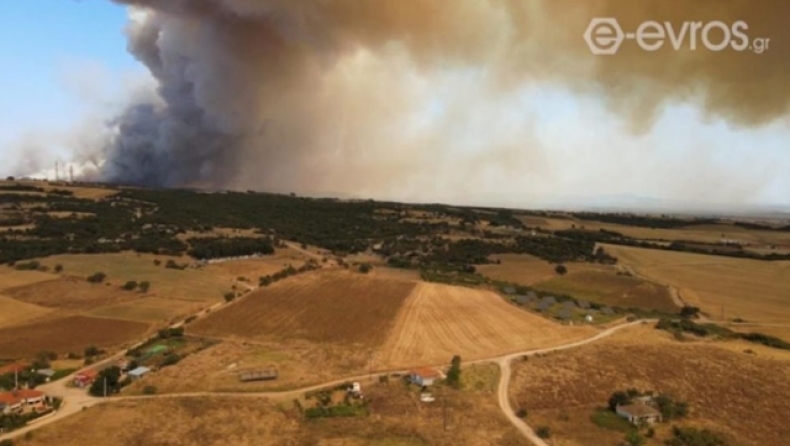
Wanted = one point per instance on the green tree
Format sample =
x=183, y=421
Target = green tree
x=365, y=268
x=144, y=286
x=633, y=438
x=58, y=268
x=97, y=277
x=109, y=377
x=618, y=398
x=130, y=285
x=229, y=297
x=454, y=374
x=561, y=269
x=543, y=432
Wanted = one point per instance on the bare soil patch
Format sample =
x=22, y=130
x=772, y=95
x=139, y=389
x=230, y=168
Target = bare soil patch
x=332, y=306
x=68, y=334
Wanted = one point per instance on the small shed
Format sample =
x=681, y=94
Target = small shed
x=637, y=413
x=424, y=377
x=258, y=375
x=138, y=373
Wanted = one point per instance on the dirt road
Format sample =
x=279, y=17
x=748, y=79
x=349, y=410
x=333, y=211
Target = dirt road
x=76, y=400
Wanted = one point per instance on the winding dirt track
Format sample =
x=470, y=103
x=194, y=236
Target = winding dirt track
x=76, y=400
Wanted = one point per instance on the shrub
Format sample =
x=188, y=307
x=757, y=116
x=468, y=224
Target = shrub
x=144, y=286
x=97, y=277
x=92, y=351
x=171, y=359
x=365, y=268
x=130, y=285
x=157, y=262
x=58, y=268
x=543, y=432
x=633, y=438
x=454, y=374
x=149, y=390
x=229, y=297
x=521, y=413
x=561, y=269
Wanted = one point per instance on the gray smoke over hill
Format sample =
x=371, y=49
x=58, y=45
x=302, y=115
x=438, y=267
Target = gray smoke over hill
x=311, y=95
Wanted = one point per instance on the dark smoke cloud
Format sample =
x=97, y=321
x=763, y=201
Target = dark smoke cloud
x=278, y=93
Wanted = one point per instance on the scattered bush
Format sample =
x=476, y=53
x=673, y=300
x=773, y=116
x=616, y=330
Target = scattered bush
x=521, y=413
x=365, y=268
x=130, y=285
x=454, y=374
x=149, y=390
x=543, y=432
x=229, y=297
x=58, y=268
x=690, y=436
x=97, y=277
x=633, y=438
x=32, y=265
x=561, y=269
x=144, y=286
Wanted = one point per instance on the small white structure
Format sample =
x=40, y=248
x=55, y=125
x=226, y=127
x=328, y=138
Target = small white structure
x=138, y=373
x=588, y=318
x=355, y=389
x=427, y=397
x=639, y=412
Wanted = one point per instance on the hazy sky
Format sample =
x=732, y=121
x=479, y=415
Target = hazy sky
x=64, y=65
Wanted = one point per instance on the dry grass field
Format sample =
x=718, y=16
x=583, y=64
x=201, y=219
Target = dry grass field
x=744, y=396
x=397, y=419
x=149, y=310
x=606, y=287
x=754, y=290
x=521, y=269
x=324, y=307
x=14, y=312
x=189, y=284
x=67, y=334
x=71, y=293
x=11, y=278
x=439, y=321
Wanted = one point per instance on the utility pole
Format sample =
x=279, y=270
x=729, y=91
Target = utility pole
x=105, y=387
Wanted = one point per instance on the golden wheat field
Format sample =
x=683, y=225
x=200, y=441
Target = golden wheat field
x=744, y=396
x=12, y=278
x=756, y=291
x=520, y=269
x=14, y=312
x=439, y=321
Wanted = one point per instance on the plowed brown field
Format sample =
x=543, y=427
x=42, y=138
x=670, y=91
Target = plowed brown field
x=338, y=307
x=69, y=334
x=439, y=321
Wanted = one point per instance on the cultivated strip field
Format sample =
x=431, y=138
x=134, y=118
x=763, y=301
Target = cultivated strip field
x=14, y=312
x=64, y=335
x=741, y=395
x=754, y=290
x=439, y=321
x=337, y=307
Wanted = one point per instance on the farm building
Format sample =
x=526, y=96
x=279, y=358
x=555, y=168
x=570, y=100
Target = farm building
x=46, y=373
x=16, y=401
x=13, y=368
x=138, y=373
x=424, y=377
x=258, y=375
x=637, y=413
x=85, y=377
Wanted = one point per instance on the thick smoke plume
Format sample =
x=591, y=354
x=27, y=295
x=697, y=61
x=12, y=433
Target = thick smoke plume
x=278, y=93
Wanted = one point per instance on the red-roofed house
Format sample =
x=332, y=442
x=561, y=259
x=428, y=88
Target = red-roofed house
x=18, y=400
x=424, y=376
x=85, y=377
x=13, y=368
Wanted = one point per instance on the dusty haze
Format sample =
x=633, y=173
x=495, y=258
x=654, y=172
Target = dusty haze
x=330, y=95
